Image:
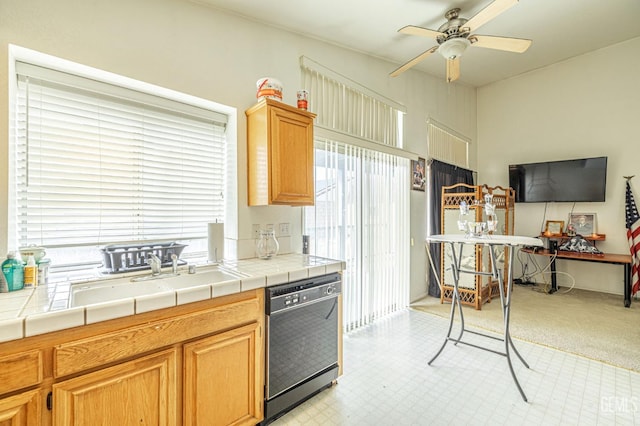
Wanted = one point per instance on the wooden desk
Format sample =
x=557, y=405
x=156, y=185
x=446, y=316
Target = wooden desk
x=617, y=259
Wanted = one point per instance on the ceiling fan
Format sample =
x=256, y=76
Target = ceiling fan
x=455, y=36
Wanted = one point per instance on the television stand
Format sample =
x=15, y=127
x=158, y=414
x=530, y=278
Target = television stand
x=611, y=258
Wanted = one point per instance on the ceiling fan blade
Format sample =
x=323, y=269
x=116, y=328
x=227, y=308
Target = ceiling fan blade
x=509, y=44
x=488, y=13
x=413, y=62
x=453, y=69
x=419, y=31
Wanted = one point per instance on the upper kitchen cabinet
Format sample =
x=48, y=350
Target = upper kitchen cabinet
x=279, y=155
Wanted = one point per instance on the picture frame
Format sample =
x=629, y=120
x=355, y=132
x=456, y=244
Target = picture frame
x=418, y=174
x=554, y=228
x=582, y=223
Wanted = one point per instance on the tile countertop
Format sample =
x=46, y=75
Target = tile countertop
x=47, y=308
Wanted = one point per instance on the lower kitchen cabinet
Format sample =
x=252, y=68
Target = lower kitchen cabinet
x=138, y=392
x=196, y=364
x=21, y=410
x=222, y=379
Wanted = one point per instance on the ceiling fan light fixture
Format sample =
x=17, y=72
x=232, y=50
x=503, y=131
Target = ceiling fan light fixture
x=454, y=47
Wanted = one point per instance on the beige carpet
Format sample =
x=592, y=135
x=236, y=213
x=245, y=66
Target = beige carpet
x=590, y=324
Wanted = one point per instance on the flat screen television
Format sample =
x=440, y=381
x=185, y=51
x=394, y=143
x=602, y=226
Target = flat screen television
x=582, y=180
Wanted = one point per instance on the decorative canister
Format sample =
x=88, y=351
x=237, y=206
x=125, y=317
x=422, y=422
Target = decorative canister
x=303, y=99
x=269, y=88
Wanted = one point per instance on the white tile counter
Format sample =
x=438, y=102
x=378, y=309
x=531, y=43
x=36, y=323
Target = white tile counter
x=47, y=308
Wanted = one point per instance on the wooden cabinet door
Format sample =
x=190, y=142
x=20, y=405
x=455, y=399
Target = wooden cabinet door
x=223, y=382
x=291, y=157
x=138, y=392
x=24, y=409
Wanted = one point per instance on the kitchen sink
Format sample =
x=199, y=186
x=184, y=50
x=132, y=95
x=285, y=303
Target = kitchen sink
x=201, y=278
x=100, y=292
x=123, y=288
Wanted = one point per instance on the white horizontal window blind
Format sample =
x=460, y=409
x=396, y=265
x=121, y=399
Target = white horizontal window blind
x=99, y=164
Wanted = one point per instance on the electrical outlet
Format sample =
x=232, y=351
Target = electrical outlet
x=284, y=230
x=269, y=227
x=256, y=231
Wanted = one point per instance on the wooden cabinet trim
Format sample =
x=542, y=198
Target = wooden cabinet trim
x=281, y=105
x=96, y=351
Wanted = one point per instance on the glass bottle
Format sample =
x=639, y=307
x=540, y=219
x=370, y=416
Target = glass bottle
x=267, y=245
x=490, y=212
x=463, y=217
x=13, y=270
x=30, y=273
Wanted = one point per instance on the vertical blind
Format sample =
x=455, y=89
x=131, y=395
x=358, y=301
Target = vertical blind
x=361, y=215
x=445, y=145
x=361, y=212
x=100, y=164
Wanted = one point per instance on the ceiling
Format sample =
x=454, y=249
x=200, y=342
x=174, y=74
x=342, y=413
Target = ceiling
x=560, y=29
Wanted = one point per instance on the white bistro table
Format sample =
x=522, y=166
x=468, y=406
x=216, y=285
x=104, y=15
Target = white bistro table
x=456, y=242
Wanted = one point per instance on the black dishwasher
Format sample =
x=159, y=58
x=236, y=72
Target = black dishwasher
x=301, y=341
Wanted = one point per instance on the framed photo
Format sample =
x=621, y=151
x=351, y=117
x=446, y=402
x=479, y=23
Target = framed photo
x=554, y=228
x=418, y=176
x=582, y=223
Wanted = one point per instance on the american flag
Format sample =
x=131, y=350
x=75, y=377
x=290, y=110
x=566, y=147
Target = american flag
x=633, y=235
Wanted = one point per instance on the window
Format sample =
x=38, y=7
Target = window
x=361, y=215
x=98, y=164
x=361, y=212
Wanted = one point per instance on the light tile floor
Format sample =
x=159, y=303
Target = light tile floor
x=387, y=382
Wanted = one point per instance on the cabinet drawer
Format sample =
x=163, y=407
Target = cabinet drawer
x=20, y=371
x=111, y=347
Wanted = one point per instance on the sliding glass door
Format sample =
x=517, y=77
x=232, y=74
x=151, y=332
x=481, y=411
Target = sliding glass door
x=361, y=216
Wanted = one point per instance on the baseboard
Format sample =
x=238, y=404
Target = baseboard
x=419, y=297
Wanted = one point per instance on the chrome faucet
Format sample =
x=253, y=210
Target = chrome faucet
x=155, y=263
x=174, y=264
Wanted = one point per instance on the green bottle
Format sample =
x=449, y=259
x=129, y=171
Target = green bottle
x=13, y=272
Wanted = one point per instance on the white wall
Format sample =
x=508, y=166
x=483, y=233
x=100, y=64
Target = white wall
x=186, y=47
x=584, y=107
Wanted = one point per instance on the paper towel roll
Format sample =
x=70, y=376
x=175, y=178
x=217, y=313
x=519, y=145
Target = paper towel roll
x=216, y=242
